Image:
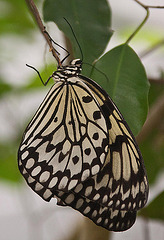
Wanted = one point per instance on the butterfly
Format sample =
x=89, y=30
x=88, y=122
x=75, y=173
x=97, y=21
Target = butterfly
x=79, y=149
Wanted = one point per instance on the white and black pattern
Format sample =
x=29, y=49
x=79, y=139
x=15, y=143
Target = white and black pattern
x=79, y=149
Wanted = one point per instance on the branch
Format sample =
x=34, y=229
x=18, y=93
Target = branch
x=146, y=7
x=155, y=116
x=156, y=80
x=139, y=27
x=42, y=28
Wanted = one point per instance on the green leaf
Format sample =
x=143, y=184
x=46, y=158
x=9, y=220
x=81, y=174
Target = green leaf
x=14, y=17
x=127, y=85
x=4, y=88
x=8, y=162
x=155, y=209
x=90, y=21
x=156, y=89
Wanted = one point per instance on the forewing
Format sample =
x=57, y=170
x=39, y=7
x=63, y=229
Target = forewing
x=66, y=142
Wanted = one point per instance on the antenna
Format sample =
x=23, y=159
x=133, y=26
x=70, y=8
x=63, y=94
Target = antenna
x=44, y=83
x=75, y=39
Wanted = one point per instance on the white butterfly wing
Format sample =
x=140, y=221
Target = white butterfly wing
x=66, y=142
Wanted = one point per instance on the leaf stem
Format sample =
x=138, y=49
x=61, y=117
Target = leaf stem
x=139, y=27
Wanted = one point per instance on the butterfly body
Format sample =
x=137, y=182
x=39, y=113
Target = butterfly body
x=79, y=148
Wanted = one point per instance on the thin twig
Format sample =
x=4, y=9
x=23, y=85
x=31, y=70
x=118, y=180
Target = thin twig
x=139, y=27
x=156, y=80
x=152, y=48
x=156, y=113
x=39, y=22
x=146, y=7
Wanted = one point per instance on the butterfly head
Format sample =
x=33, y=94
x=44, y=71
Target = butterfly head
x=65, y=72
x=74, y=68
x=76, y=64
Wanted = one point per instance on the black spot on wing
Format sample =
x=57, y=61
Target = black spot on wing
x=75, y=159
x=87, y=99
x=95, y=136
x=96, y=115
x=87, y=151
x=56, y=119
